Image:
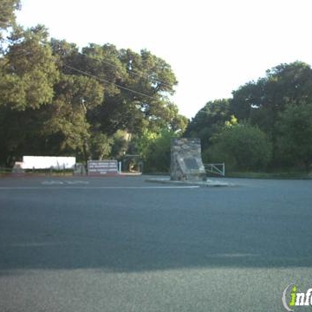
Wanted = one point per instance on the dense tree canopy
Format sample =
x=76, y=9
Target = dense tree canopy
x=294, y=131
x=209, y=120
x=7, y=16
x=99, y=101
x=28, y=70
x=262, y=101
x=58, y=99
x=278, y=105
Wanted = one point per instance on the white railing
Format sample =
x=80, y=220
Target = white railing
x=216, y=168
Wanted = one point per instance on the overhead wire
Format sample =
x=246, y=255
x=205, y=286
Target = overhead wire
x=107, y=81
x=110, y=82
x=137, y=74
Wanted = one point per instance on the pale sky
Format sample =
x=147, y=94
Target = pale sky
x=213, y=47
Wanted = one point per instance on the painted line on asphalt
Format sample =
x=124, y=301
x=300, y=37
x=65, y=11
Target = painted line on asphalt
x=96, y=187
x=58, y=182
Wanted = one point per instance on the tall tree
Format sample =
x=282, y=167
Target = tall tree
x=294, y=135
x=136, y=88
x=7, y=16
x=208, y=121
x=27, y=77
x=28, y=70
x=66, y=122
x=260, y=102
x=247, y=99
x=76, y=101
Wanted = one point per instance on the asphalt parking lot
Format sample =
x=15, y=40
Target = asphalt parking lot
x=122, y=244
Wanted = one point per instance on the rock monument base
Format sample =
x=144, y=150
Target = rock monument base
x=186, y=161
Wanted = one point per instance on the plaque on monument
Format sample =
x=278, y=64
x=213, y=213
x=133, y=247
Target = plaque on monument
x=191, y=163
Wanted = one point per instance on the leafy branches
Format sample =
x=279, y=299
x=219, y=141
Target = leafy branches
x=274, y=121
x=80, y=101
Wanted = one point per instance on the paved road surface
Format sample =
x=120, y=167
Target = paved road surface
x=121, y=244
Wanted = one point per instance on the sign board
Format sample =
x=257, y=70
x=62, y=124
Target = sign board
x=102, y=167
x=48, y=162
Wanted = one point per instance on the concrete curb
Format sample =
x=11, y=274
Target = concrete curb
x=208, y=183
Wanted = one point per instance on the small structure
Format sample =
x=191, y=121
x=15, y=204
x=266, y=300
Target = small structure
x=186, y=162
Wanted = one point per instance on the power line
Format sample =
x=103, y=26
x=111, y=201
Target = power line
x=110, y=82
x=137, y=74
x=107, y=81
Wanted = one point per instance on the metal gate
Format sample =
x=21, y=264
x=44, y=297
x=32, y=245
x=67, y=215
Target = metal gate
x=218, y=169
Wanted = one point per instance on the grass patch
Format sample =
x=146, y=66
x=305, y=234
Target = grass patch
x=270, y=175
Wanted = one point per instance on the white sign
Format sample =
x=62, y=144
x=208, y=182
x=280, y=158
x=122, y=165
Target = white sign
x=47, y=162
x=102, y=167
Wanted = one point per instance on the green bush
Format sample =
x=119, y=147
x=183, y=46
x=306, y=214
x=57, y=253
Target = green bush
x=240, y=147
x=157, y=158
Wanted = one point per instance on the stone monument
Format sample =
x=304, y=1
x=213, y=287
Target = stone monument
x=186, y=162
